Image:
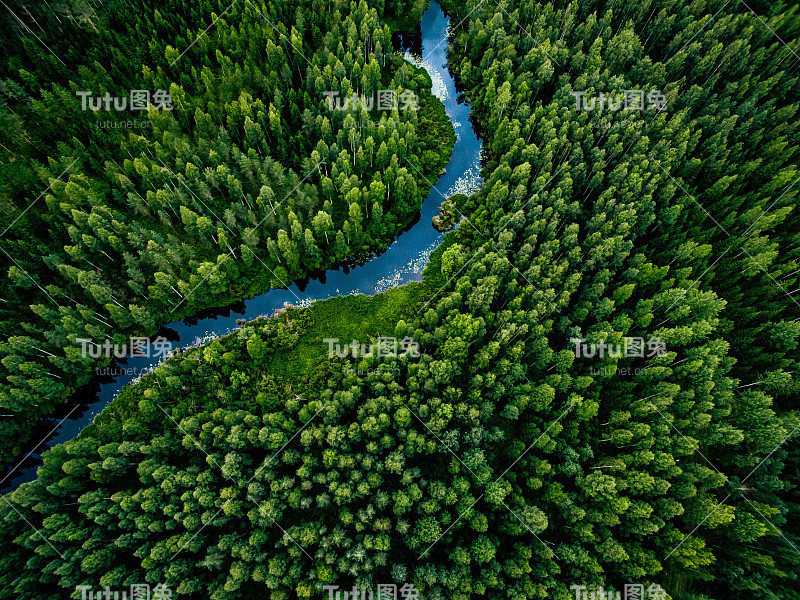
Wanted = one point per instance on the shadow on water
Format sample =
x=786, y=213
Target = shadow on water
x=408, y=40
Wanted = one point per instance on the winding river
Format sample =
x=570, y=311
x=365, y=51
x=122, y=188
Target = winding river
x=402, y=262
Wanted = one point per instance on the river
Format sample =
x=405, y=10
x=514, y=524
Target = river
x=402, y=262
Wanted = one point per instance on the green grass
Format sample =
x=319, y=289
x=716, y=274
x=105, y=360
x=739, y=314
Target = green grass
x=357, y=317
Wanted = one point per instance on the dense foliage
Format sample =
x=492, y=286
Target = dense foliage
x=250, y=182
x=498, y=464
x=699, y=196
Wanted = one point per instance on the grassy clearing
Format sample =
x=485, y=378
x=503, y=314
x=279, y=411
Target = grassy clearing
x=357, y=317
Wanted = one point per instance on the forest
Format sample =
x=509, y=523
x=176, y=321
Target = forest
x=250, y=182
x=500, y=463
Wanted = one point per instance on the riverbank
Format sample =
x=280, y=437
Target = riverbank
x=401, y=263
x=306, y=360
x=358, y=317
